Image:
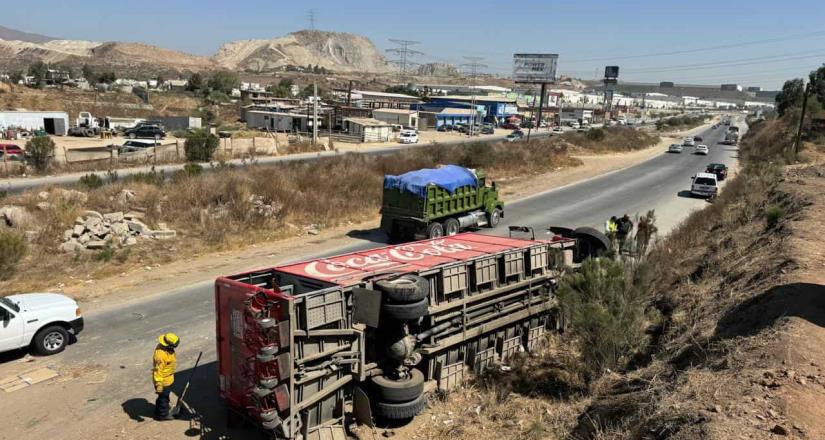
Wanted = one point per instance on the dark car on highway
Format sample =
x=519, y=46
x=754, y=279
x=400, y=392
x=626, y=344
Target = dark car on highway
x=720, y=169
x=697, y=138
x=145, y=132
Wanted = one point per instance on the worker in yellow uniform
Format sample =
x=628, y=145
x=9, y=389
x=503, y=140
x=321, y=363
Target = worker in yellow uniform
x=163, y=373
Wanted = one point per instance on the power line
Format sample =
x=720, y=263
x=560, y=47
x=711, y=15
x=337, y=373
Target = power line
x=404, y=54
x=730, y=63
x=704, y=49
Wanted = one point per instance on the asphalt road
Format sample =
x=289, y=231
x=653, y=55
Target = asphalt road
x=20, y=184
x=121, y=339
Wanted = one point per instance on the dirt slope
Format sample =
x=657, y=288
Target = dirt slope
x=336, y=51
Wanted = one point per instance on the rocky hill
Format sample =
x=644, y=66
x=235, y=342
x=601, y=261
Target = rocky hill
x=15, y=35
x=437, y=69
x=336, y=51
x=135, y=58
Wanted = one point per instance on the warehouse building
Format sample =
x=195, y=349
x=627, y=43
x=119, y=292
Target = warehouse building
x=436, y=116
x=56, y=123
x=491, y=109
x=397, y=116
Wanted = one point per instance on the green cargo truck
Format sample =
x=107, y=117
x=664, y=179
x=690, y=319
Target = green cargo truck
x=432, y=203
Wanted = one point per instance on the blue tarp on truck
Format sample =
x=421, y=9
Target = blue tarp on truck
x=448, y=177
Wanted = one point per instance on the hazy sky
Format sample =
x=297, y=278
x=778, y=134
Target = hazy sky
x=784, y=38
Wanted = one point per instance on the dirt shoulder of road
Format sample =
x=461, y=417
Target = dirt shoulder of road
x=192, y=269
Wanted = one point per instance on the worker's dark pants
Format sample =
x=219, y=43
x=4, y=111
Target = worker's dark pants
x=162, y=403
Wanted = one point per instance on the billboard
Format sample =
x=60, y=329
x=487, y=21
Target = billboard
x=611, y=72
x=534, y=67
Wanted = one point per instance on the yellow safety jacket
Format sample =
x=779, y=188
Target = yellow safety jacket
x=163, y=372
x=612, y=227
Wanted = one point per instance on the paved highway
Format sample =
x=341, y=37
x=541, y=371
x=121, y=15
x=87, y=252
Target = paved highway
x=120, y=340
x=20, y=184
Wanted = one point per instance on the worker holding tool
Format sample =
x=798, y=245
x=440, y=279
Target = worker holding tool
x=163, y=373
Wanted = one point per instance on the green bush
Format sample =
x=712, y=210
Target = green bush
x=595, y=134
x=91, y=181
x=192, y=169
x=41, y=152
x=772, y=216
x=13, y=248
x=605, y=311
x=152, y=177
x=200, y=146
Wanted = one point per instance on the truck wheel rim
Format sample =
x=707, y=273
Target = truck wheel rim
x=53, y=341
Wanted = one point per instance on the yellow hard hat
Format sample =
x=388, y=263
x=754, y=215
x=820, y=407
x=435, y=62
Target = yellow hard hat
x=170, y=340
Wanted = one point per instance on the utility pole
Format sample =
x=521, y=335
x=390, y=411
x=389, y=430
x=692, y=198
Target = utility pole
x=474, y=65
x=314, y=113
x=801, y=119
x=404, y=53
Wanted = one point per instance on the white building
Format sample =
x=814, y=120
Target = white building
x=56, y=123
x=397, y=116
x=368, y=129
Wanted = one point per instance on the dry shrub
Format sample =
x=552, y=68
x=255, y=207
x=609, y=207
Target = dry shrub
x=614, y=139
x=13, y=248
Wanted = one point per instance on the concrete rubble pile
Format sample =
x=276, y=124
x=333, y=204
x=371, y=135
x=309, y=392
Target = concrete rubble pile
x=94, y=230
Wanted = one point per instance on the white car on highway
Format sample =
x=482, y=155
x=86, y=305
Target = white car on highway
x=702, y=149
x=688, y=142
x=674, y=148
x=408, y=137
x=42, y=321
x=558, y=130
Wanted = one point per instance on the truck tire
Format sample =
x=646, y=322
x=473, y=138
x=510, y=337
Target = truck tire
x=50, y=340
x=451, y=227
x=435, y=230
x=405, y=289
x=494, y=218
x=389, y=390
x=405, y=312
x=400, y=411
x=132, y=136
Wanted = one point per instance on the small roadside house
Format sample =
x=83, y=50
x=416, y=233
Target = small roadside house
x=368, y=129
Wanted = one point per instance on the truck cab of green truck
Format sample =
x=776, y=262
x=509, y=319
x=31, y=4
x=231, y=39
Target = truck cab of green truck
x=434, y=203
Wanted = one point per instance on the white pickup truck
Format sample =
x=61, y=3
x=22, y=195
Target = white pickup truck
x=40, y=320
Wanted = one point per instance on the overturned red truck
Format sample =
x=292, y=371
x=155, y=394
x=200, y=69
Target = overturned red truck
x=370, y=332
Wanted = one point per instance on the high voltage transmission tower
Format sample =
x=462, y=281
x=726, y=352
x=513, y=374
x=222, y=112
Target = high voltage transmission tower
x=473, y=65
x=312, y=17
x=404, y=53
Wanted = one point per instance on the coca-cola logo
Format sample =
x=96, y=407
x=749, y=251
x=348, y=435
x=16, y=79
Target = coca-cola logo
x=386, y=258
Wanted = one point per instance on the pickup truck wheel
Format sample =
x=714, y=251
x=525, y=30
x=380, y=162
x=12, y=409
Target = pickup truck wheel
x=435, y=230
x=404, y=289
x=400, y=411
x=451, y=226
x=405, y=312
x=389, y=390
x=51, y=340
x=494, y=218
